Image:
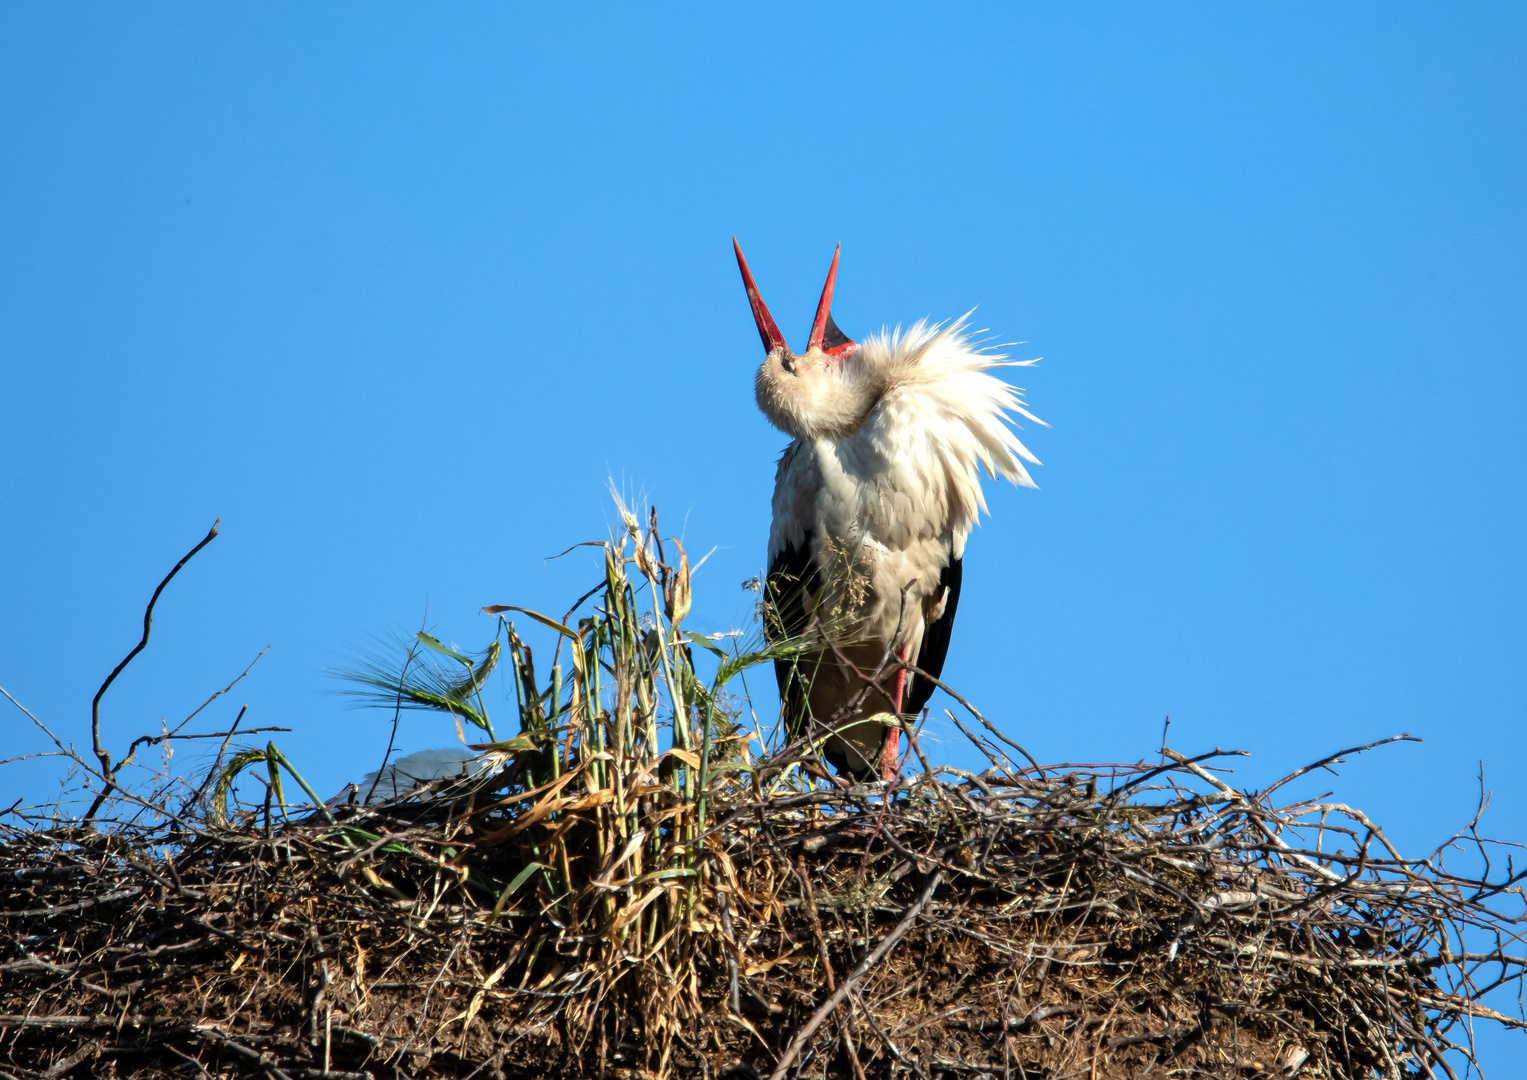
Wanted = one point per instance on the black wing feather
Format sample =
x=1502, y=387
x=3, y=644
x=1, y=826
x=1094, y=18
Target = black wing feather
x=793, y=578
x=930, y=657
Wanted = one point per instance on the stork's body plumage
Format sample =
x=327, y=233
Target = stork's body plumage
x=873, y=503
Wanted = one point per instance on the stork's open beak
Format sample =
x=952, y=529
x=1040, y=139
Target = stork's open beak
x=772, y=338
x=825, y=334
x=824, y=306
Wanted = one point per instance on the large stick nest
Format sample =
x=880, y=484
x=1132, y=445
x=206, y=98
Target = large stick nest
x=1110, y=923
x=628, y=892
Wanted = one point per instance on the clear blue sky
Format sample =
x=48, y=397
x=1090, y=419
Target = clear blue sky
x=394, y=290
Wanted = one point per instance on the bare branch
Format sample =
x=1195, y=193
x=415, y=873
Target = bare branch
x=108, y=772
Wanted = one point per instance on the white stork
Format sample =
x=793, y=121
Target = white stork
x=419, y=770
x=873, y=501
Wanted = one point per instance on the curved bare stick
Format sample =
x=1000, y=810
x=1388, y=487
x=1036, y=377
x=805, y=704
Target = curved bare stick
x=102, y=754
x=1323, y=762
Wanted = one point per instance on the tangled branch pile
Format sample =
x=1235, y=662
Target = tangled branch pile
x=630, y=892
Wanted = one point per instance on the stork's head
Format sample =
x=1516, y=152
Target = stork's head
x=821, y=393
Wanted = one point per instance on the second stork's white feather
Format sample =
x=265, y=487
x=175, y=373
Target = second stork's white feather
x=418, y=769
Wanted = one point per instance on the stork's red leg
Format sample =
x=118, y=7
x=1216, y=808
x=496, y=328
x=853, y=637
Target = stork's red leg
x=890, y=750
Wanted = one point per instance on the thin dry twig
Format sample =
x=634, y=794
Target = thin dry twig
x=108, y=771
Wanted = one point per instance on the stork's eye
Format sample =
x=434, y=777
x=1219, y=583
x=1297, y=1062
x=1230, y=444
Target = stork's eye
x=787, y=362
